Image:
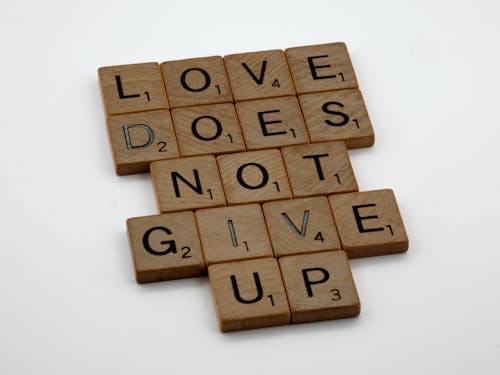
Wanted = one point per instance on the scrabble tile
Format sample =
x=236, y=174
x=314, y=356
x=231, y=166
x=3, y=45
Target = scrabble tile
x=319, y=286
x=257, y=75
x=301, y=226
x=248, y=294
x=208, y=129
x=187, y=184
x=319, y=169
x=233, y=233
x=338, y=116
x=322, y=67
x=196, y=81
x=255, y=176
x=165, y=247
x=132, y=88
x=369, y=223
x=137, y=139
x=269, y=123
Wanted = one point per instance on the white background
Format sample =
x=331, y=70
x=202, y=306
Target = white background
x=69, y=303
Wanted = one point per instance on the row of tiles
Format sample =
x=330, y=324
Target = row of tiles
x=294, y=289
x=184, y=244
x=137, y=139
x=238, y=77
x=255, y=176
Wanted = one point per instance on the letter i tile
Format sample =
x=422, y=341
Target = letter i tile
x=248, y=294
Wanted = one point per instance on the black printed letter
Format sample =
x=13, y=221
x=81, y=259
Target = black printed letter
x=236, y=291
x=317, y=164
x=194, y=128
x=359, y=218
x=171, y=244
x=120, y=90
x=259, y=80
x=130, y=146
x=314, y=67
x=345, y=118
x=265, y=176
x=206, y=76
x=197, y=188
x=308, y=282
x=263, y=123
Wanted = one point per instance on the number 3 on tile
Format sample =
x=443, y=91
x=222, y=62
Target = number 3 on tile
x=336, y=294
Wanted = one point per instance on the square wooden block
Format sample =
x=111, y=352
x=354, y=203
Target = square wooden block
x=319, y=286
x=137, y=139
x=255, y=176
x=165, y=247
x=319, y=169
x=301, y=226
x=369, y=223
x=187, y=184
x=233, y=233
x=248, y=294
x=256, y=75
x=208, y=129
x=322, y=67
x=132, y=88
x=338, y=116
x=269, y=123
x=196, y=81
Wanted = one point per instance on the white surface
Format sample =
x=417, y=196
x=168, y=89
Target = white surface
x=68, y=300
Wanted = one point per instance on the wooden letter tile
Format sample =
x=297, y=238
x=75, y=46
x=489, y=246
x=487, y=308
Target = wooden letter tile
x=269, y=123
x=323, y=67
x=319, y=169
x=165, y=247
x=187, y=184
x=301, y=226
x=248, y=294
x=255, y=176
x=319, y=286
x=137, y=139
x=233, y=233
x=338, y=116
x=132, y=88
x=208, y=129
x=196, y=81
x=369, y=223
x=258, y=75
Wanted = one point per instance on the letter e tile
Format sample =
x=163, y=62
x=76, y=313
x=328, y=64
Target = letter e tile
x=323, y=67
x=369, y=223
x=275, y=122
